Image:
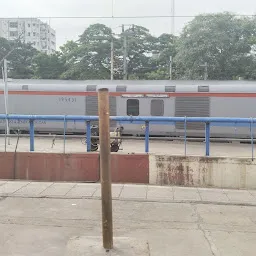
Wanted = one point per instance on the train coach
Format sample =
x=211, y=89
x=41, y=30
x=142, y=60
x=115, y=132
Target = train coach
x=136, y=98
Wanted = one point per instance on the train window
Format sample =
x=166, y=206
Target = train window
x=133, y=107
x=24, y=87
x=170, y=88
x=121, y=88
x=157, y=107
x=203, y=88
x=91, y=88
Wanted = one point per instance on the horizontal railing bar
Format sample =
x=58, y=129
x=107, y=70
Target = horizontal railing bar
x=129, y=118
x=123, y=137
x=146, y=120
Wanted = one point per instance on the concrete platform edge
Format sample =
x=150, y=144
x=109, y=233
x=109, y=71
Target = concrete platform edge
x=92, y=245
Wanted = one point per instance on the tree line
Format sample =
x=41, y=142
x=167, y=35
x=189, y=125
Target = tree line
x=225, y=42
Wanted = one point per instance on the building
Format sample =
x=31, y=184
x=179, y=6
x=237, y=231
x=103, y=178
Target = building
x=29, y=30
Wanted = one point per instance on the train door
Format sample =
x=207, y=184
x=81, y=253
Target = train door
x=91, y=106
x=163, y=106
x=192, y=106
x=129, y=105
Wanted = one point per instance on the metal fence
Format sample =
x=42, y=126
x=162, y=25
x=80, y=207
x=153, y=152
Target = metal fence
x=147, y=120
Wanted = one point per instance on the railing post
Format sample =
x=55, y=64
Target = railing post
x=88, y=136
x=252, y=139
x=65, y=129
x=185, y=139
x=207, y=138
x=147, y=137
x=32, y=133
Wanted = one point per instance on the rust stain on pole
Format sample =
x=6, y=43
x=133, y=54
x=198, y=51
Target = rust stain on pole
x=106, y=191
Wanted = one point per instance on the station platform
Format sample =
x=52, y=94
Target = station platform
x=234, y=149
x=144, y=193
x=41, y=218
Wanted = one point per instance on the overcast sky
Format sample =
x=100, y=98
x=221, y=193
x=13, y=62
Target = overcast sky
x=67, y=29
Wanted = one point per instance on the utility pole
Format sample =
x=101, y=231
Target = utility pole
x=105, y=170
x=205, y=71
x=173, y=17
x=6, y=94
x=170, y=67
x=125, y=53
x=112, y=57
x=205, y=66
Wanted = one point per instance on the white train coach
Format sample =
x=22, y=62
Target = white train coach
x=136, y=98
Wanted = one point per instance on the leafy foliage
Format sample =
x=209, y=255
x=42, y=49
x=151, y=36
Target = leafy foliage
x=222, y=40
x=227, y=43
x=48, y=66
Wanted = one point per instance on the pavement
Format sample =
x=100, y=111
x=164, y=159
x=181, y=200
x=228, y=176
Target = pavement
x=74, y=145
x=41, y=218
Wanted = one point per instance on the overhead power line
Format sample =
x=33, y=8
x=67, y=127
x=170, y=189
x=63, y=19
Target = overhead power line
x=130, y=17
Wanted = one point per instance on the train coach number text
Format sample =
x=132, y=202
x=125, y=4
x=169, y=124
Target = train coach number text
x=67, y=99
x=23, y=121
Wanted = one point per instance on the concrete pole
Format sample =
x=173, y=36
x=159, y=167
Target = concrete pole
x=173, y=17
x=112, y=58
x=105, y=171
x=125, y=53
x=125, y=57
x=206, y=71
x=6, y=94
x=170, y=67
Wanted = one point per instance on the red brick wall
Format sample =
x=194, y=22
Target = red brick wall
x=72, y=167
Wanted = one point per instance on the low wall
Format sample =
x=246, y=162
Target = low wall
x=218, y=172
x=132, y=168
x=72, y=167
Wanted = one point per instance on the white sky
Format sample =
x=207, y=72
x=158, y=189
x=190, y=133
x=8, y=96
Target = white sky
x=67, y=29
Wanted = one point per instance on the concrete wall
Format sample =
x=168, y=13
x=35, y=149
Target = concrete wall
x=132, y=168
x=202, y=171
x=72, y=167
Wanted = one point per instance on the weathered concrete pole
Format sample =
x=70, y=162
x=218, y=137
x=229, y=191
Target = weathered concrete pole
x=106, y=191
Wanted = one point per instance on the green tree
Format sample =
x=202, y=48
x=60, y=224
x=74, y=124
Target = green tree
x=92, y=56
x=48, y=66
x=19, y=56
x=164, y=48
x=21, y=61
x=140, y=44
x=5, y=47
x=222, y=40
x=69, y=56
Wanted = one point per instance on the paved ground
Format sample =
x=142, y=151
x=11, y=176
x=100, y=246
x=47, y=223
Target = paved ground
x=158, y=147
x=175, y=221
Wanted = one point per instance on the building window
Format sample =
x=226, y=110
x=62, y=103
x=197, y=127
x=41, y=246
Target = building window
x=157, y=107
x=34, y=33
x=13, y=24
x=29, y=25
x=133, y=107
x=13, y=33
x=34, y=24
x=28, y=33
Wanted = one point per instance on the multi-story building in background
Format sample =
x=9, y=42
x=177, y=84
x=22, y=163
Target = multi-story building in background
x=29, y=30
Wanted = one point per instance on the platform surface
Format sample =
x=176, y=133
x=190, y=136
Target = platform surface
x=234, y=149
x=43, y=218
